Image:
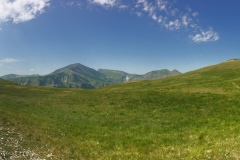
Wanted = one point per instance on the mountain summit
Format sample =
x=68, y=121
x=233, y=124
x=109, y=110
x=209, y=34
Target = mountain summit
x=79, y=69
x=71, y=76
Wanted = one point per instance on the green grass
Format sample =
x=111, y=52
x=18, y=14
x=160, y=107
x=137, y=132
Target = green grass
x=191, y=116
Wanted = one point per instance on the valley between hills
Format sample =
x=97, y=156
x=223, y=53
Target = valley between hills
x=194, y=115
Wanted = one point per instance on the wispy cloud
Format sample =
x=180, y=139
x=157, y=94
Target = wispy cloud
x=8, y=60
x=172, y=18
x=167, y=16
x=205, y=36
x=105, y=3
x=21, y=10
x=71, y=3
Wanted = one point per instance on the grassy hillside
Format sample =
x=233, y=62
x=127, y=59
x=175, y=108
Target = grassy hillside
x=190, y=116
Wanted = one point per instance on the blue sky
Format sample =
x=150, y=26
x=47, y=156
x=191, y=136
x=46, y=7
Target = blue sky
x=136, y=36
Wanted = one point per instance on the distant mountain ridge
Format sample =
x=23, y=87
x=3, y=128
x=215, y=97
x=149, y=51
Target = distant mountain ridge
x=11, y=76
x=121, y=76
x=79, y=76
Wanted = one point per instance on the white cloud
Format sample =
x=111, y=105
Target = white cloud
x=32, y=69
x=123, y=6
x=205, y=36
x=147, y=7
x=162, y=4
x=71, y=4
x=21, y=10
x=195, y=14
x=160, y=19
x=107, y=3
x=8, y=60
x=186, y=20
x=173, y=25
x=139, y=14
x=154, y=17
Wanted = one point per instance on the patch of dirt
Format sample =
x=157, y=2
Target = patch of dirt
x=10, y=145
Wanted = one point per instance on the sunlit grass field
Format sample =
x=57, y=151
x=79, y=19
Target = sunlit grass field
x=192, y=116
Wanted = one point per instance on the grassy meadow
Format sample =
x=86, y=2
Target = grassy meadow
x=195, y=115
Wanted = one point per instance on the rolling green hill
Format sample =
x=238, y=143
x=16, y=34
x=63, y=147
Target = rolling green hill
x=190, y=116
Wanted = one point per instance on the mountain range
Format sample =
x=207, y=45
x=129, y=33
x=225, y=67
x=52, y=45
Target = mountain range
x=80, y=76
